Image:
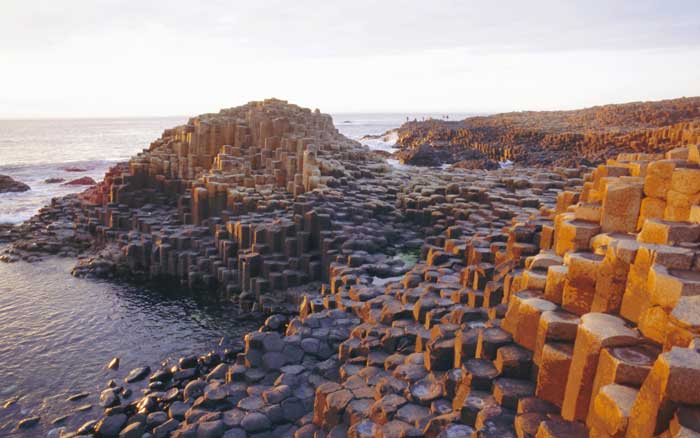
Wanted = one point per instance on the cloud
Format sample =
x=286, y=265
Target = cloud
x=331, y=28
x=118, y=57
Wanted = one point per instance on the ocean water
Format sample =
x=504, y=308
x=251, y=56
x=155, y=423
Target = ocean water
x=58, y=332
x=32, y=151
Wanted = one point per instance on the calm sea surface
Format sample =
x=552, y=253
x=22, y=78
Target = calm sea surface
x=57, y=332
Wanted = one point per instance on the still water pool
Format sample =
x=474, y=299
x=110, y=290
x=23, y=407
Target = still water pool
x=57, y=333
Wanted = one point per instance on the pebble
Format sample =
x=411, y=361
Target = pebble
x=137, y=374
x=133, y=430
x=113, y=364
x=109, y=398
x=255, y=422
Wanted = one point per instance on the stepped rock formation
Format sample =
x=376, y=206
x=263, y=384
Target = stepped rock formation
x=545, y=303
x=564, y=138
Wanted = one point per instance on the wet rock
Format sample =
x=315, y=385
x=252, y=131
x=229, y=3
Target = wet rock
x=187, y=362
x=218, y=373
x=155, y=419
x=194, y=389
x=177, y=410
x=137, y=374
x=60, y=419
x=109, y=398
x=233, y=417
x=236, y=433
x=171, y=395
x=113, y=364
x=147, y=404
x=185, y=374
x=161, y=375
x=210, y=429
x=87, y=427
x=276, y=323
x=78, y=396
x=166, y=428
x=215, y=393
x=364, y=429
x=277, y=394
x=255, y=422
x=292, y=409
x=27, y=423
x=7, y=184
x=412, y=413
x=133, y=430
x=425, y=391
x=110, y=426
x=251, y=403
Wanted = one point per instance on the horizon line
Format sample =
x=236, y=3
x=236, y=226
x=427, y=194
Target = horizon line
x=471, y=113
x=332, y=113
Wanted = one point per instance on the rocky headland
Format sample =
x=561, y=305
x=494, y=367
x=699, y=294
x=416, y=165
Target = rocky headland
x=545, y=138
x=557, y=301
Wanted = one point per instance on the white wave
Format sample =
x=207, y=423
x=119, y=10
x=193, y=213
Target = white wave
x=385, y=142
x=505, y=164
x=17, y=218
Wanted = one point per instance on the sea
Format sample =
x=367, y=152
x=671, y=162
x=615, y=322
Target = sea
x=57, y=332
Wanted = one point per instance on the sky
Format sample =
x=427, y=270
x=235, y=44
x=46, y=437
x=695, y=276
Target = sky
x=103, y=58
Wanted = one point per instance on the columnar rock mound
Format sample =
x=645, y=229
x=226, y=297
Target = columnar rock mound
x=554, y=137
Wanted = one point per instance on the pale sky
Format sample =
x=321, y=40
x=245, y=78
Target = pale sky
x=101, y=58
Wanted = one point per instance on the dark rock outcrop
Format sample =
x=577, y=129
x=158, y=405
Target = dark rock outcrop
x=7, y=184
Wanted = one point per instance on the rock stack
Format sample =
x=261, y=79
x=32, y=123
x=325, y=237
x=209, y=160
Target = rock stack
x=216, y=159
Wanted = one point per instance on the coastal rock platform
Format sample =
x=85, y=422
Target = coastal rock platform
x=558, y=302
